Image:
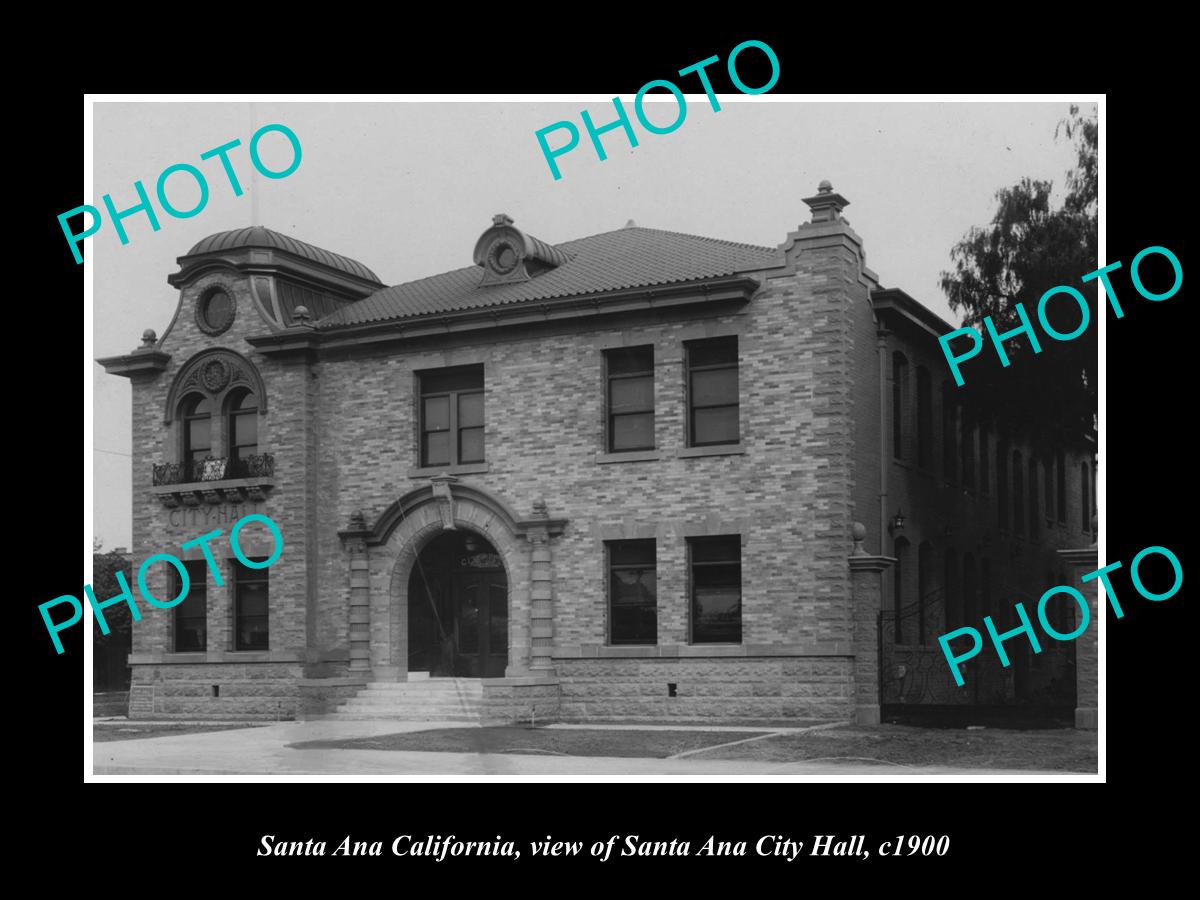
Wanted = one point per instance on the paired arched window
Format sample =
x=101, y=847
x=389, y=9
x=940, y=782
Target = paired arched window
x=233, y=434
x=197, y=429
x=924, y=419
x=241, y=410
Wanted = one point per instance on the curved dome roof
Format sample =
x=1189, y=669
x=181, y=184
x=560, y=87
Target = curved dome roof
x=258, y=236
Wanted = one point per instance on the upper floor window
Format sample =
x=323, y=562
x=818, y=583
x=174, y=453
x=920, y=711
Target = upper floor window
x=899, y=390
x=452, y=416
x=632, y=592
x=630, y=375
x=716, y=589
x=712, y=386
x=197, y=429
x=949, y=431
x=242, y=412
x=924, y=418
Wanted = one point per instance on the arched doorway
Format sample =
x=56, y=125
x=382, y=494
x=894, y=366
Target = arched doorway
x=458, y=608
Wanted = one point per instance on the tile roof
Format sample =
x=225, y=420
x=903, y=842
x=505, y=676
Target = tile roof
x=629, y=257
x=258, y=236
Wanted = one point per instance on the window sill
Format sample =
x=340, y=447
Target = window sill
x=628, y=456
x=714, y=450
x=464, y=469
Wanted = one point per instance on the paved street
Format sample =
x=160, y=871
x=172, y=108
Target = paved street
x=264, y=751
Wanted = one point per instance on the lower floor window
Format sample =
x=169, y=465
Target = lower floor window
x=250, y=607
x=716, y=564
x=191, y=615
x=633, y=593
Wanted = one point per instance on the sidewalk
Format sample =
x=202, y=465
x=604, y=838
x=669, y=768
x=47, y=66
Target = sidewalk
x=264, y=751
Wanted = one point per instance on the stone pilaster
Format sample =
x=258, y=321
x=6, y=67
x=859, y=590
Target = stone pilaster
x=541, y=592
x=1087, y=647
x=866, y=591
x=355, y=542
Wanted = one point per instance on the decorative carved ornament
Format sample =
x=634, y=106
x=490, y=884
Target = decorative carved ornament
x=214, y=372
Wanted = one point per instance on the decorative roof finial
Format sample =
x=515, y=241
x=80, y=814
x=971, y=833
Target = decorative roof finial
x=303, y=316
x=149, y=338
x=502, y=219
x=825, y=187
x=858, y=531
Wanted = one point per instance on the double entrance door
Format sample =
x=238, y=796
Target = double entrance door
x=480, y=624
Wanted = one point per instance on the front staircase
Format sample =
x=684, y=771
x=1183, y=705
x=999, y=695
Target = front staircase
x=420, y=699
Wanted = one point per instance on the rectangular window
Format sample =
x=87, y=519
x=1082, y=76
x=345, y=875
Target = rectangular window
x=1085, y=504
x=712, y=384
x=630, y=374
x=899, y=379
x=191, y=615
x=451, y=416
x=716, y=564
x=632, y=593
x=250, y=609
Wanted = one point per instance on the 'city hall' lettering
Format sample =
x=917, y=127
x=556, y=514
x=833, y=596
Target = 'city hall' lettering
x=126, y=595
x=188, y=171
x=622, y=119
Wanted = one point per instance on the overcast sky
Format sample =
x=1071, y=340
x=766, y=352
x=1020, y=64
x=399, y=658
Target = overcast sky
x=407, y=188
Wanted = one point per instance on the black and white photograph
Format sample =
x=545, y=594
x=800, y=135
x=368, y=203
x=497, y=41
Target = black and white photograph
x=532, y=438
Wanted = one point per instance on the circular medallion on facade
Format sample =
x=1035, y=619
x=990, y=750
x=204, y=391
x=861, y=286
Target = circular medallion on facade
x=503, y=257
x=215, y=310
x=215, y=375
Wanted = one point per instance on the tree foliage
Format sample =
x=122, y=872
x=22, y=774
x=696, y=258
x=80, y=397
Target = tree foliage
x=1030, y=246
x=104, y=584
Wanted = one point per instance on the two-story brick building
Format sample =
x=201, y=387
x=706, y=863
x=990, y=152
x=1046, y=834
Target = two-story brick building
x=612, y=478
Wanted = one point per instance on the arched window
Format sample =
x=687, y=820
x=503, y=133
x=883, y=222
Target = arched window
x=925, y=587
x=949, y=431
x=924, y=419
x=951, y=600
x=899, y=393
x=898, y=598
x=242, y=411
x=197, y=432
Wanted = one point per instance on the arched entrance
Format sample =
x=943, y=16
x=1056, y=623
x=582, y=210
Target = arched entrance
x=458, y=608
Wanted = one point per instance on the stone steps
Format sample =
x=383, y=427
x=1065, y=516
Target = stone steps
x=418, y=700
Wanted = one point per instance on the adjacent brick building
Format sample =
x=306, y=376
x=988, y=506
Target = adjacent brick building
x=614, y=478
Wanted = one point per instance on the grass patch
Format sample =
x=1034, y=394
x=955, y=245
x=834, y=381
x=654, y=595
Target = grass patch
x=537, y=741
x=103, y=732
x=1063, y=749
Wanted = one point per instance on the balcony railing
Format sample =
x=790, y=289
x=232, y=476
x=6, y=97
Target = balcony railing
x=257, y=465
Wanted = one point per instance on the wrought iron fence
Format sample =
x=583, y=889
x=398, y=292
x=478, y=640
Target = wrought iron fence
x=255, y=465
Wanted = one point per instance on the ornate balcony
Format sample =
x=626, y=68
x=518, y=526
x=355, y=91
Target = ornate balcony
x=214, y=479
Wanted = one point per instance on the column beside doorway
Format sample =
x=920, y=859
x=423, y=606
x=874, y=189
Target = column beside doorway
x=1087, y=649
